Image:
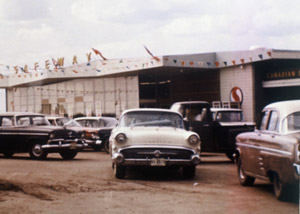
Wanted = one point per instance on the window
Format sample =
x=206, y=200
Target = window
x=291, y=122
x=263, y=121
x=7, y=121
x=273, y=124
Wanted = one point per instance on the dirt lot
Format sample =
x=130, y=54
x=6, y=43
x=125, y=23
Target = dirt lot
x=87, y=185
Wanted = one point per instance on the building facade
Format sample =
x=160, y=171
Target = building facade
x=247, y=79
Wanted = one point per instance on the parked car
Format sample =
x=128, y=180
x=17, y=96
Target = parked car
x=31, y=132
x=104, y=126
x=153, y=138
x=217, y=127
x=90, y=135
x=272, y=151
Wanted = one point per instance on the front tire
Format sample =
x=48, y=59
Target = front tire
x=119, y=171
x=280, y=189
x=106, y=146
x=244, y=179
x=68, y=155
x=36, y=151
x=189, y=171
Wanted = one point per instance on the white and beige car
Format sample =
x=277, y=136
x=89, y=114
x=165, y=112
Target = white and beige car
x=153, y=138
x=272, y=151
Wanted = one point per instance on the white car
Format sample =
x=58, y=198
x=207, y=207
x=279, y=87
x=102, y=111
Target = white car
x=153, y=138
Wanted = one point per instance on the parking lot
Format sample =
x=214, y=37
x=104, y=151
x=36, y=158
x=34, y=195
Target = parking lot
x=87, y=185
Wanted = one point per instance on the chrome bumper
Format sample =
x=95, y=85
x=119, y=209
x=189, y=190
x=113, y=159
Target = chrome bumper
x=93, y=142
x=118, y=159
x=65, y=144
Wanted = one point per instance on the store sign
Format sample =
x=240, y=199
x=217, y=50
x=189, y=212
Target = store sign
x=236, y=95
x=279, y=75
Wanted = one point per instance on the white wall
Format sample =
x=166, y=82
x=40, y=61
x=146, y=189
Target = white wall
x=98, y=96
x=242, y=77
x=2, y=100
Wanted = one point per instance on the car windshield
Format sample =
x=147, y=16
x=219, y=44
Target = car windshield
x=151, y=118
x=292, y=122
x=32, y=120
x=228, y=116
x=72, y=123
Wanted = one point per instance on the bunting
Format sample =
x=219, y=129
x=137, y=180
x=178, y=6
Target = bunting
x=99, y=53
x=16, y=69
x=148, y=51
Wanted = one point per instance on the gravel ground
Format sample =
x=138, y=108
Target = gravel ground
x=87, y=185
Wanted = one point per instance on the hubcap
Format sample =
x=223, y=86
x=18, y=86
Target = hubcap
x=37, y=149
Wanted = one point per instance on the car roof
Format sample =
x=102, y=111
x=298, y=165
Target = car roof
x=93, y=118
x=191, y=102
x=285, y=107
x=149, y=110
x=20, y=114
x=226, y=109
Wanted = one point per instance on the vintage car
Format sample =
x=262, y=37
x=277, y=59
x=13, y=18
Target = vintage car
x=217, y=127
x=104, y=126
x=153, y=138
x=90, y=135
x=31, y=132
x=272, y=151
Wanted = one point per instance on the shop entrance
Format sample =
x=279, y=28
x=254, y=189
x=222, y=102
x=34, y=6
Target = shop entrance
x=160, y=88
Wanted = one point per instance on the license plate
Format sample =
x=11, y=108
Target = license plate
x=158, y=162
x=73, y=145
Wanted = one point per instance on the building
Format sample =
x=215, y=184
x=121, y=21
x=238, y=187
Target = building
x=251, y=78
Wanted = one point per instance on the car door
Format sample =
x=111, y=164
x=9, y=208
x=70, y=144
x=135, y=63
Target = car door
x=198, y=118
x=252, y=151
x=8, y=134
x=270, y=142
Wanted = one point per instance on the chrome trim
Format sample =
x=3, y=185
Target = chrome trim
x=297, y=168
x=147, y=162
x=47, y=146
x=156, y=146
x=265, y=149
x=25, y=133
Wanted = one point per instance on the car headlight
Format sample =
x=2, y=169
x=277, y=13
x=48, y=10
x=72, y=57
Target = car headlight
x=121, y=138
x=193, y=139
x=51, y=136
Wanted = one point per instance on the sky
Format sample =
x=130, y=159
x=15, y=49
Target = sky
x=37, y=30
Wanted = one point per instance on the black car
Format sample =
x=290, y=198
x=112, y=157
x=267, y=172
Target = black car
x=32, y=133
x=90, y=135
x=104, y=126
x=217, y=133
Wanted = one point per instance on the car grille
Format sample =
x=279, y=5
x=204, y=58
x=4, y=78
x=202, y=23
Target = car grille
x=167, y=153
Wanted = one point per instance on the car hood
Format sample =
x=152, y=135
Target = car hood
x=155, y=136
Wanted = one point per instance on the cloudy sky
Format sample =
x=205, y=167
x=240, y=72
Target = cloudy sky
x=36, y=30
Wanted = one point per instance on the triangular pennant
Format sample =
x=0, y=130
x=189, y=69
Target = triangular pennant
x=208, y=63
x=242, y=61
x=233, y=62
x=217, y=64
x=260, y=56
x=269, y=53
x=225, y=63
x=175, y=61
x=182, y=63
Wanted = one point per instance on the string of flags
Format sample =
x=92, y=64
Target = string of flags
x=58, y=64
